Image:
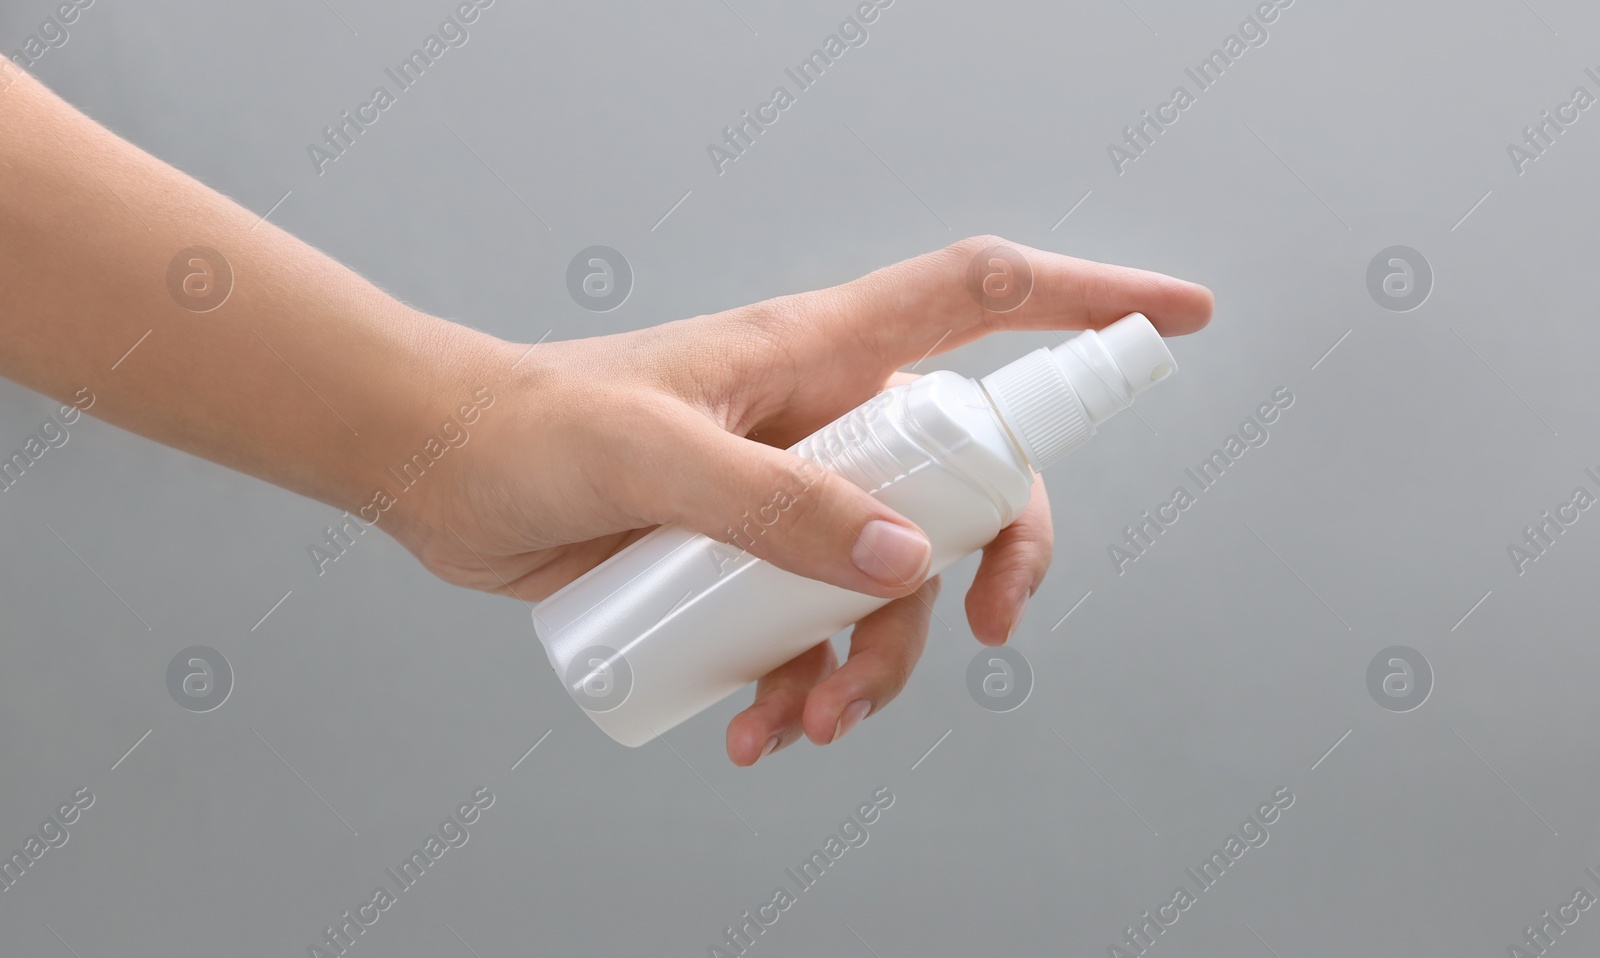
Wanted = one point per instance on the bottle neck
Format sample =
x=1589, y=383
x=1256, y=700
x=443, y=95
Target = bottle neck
x=1036, y=402
x=1051, y=400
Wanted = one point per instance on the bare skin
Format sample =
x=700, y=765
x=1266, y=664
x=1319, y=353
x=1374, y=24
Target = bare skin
x=309, y=377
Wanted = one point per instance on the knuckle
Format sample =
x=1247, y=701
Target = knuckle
x=973, y=245
x=771, y=505
x=1033, y=532
x=770, y=322
x=756, y=344
x=803, y=489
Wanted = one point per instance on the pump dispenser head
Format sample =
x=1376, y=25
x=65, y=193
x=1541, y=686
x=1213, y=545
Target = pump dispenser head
x=1139, y=351
x=1052, y=399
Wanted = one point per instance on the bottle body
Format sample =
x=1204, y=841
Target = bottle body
x=677, y=621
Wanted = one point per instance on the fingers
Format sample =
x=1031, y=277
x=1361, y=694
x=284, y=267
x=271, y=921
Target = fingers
x=811, y=694
x=797, y=362
x=1013, y=566
x=788, y=511
x=773, y=720
x=884, y=648
x=938, y=301
x=946, y=292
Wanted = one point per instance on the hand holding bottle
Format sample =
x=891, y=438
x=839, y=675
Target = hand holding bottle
x=306, y=375
x=608, y=437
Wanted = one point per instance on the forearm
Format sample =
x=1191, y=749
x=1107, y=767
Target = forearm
x=305, y=375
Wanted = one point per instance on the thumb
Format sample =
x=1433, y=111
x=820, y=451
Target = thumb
x=793, y=513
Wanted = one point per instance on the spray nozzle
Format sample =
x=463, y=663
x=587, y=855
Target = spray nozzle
x=1110, y=367
x=1139, y=351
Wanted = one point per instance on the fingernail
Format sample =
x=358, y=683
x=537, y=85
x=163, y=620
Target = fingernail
x=890, y=553
x=1016, y=616
x=772, y=743
x=851, y=717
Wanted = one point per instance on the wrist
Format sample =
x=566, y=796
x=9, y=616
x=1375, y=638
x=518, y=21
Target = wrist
x=428, y=409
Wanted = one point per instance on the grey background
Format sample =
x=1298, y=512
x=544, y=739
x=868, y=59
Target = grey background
x=1173, y=701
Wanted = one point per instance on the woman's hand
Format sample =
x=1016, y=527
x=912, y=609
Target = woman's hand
x=303, y=374
x=592, y=442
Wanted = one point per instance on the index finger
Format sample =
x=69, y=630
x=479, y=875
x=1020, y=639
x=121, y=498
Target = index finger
x=944, y=299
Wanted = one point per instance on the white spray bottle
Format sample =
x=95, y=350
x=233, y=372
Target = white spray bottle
x=677, y=621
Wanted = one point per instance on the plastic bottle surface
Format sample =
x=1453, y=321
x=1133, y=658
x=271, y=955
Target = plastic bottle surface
x=677, y=621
